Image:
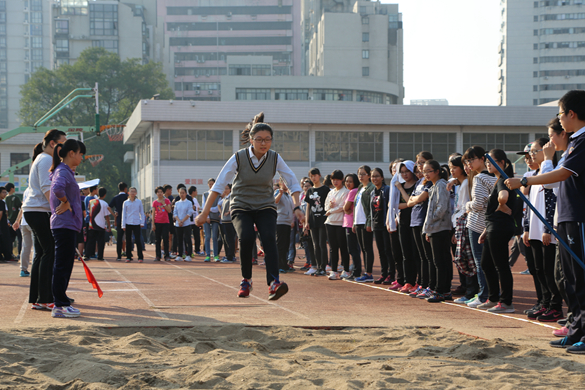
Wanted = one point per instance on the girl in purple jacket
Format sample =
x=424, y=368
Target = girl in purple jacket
x=66, y=219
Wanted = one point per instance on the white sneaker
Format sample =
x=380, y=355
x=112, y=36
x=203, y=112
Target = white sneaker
x=334, y=276
x=187, y=258
x=311, y=271
x=339, y=268
x=173, y=256
x=345, y=275
x=475, y=303
x=328, y=269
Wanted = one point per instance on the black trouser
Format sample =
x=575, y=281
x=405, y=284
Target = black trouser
x=366, y=241
x=428, y=271
x=409, y=254
x=338, y=243
x=574, y=235
x=18, y=235
x=161, y=232
x=230, y=240
x=283, y=243
x=41, y=277
x=319, y=237
x=265, y=221
x=136, y=230
x=220, y=239
x=307, y=244
x=353, y=249
x=495, y=266
x=532, y=268
x=183, y=234
x=65, y=245
x=197, y=235
x=96, y=236
x=119, y=241
x=544, y=261
x=559, y=276
x=397, y=255
x=6, y=241
x=441, y=252
x=385, y=252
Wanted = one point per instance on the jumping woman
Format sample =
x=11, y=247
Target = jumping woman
x=251, y=170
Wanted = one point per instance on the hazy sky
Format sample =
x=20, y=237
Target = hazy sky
x=451, y=50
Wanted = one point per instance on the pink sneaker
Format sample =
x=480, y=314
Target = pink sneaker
x=395, y=286
x=414, y=288
x=42, y=306
x=406, y=288
x=562, y=332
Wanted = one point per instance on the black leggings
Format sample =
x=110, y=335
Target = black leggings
x=161, y=232
x=184, y=240
x=441, y=247
x=544, y=262
x=385, y=252
x=41, y=285
x=283, y=243
x=354, y=250
x=428, y=272
x=319, y=237
x=230, y=240
x=409, y=254
x=338, y=243
x=495, y=266
x=366, y=241
x=397, y=255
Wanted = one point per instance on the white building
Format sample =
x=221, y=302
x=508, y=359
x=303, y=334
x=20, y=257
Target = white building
x=189, y=142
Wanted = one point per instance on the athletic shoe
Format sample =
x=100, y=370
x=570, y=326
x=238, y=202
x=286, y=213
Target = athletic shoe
x=207, y=259
x=173, y=256
x=406, y=288
x=100, y=259
x=535, y=314
x=187, y=258
x=306, y=267
x=216, y=259
x=418, y=290
x=280, y=271
x=65, y=312
x=328, y=268
x=562, y=322
x=118, y=259
x=157, y=259
x=226, y=261
x=577, y=348
x=562, y=343
x=260, y=253
x=339, y=268
x=501, y=308
x=388, y=281
x=254, y=261
x=562, y=332
x=487, y=305
x=365, y=279
x=551, y=315
x=475, y=303
x=140, y=260
x=311, y=271
x=276, y=290
x=533, y=309
x=413, y=288
x=334, y=276
x=320, y=273
x=167, y=258
x=201, y=253
x=42, y=306
x=471, y=299
x=437, y=297
x=345, y=275
x=460, y=300
x=525, y=272
x=179, y=258
x=395, y=286
x=379, y=280
x=291, y=268
x=24, y=274
x=245, y=288
x=426, y=293
x=123, y=254
x=128, y=260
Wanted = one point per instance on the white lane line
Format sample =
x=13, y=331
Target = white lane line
x=22, y=312
x=85, y=283
x=148, y=301
x=233, y=288
x=460, y=306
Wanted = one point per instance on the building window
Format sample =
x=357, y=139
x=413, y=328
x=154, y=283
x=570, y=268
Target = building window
x=36, y=5
x=562, y=30
x=441, y=145
x=61, y=45
x=571, y=72
x=291, y=94
x=109, y=45
x=196, y=145
x=37, y=54
x=561, y=87
x=365, y=20
x=536, y=18
x=535, y=88
x=547, y=100
x=562, y=45
x=369, y=97
x=16, y=158
x=103, y=19
x=535, y=102
x=36, y=17
x=535, y=33
x=252, y=94
x=561, y=59
x=36, y=30
x=534, y=74
x=73, y=7
x=535, y=46
x=37, y=42
x=281, y=70
x=348, y=146
x=333, y=94
x=240, y=70
x=365, y=37
x=365, y=71
x=365, y=54
x=61, y=27
x=292, y=145
x=505, y=141
x=535, y=60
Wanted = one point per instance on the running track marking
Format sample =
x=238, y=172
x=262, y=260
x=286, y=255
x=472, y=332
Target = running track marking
x=460, y=306
x=233, y=288
x=148, y=301
x=22, y=312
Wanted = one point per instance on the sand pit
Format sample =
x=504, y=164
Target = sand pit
x=279, y=357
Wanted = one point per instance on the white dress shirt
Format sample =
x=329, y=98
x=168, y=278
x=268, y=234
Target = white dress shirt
x=132, y=213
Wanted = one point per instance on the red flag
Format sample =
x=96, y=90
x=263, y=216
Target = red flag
x=91, y=278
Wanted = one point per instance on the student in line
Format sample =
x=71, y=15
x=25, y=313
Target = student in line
x=315, y=220
x=228, y=230
x=182, y=214
x=362, y=223
x=394, y=235
x=99, y=223
x=196, y=229
x=211, y=226
x=131, y=222
x=351, y=183
x=161, y=206
x=334, y=224
x=116, y=205
x=284, y=220
x=379, y=209
x=27, y=239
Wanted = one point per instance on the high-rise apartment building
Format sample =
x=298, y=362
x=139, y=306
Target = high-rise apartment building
x=542, y=50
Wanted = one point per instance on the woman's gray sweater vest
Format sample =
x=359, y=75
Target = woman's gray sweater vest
x=252, y=187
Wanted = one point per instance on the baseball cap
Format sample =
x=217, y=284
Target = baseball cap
x=526, y=149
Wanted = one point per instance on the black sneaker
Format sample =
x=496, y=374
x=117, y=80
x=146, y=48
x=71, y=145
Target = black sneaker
x=577, y=348
x=562, y=343
x=380, y=280
x=535, y=314
x=534, y=308
x=551, y=315
x=562, y=322
x=436, y=297
x=157, y=259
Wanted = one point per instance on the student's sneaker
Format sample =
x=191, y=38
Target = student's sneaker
x=320, y=273
x=406, y=288
x=525, y=272
x=437, y=297
x=426, y=293
x=216, y=259
x=561, y=332
x=201, y=253
x=461, y=300
x=118, y=259
x=487, y=305
x=535, y=314
x=207, y=259
x=365, y=278
x=167, y=258
x=380, y=280
x=551, y=315
x=140, y=260
x=501, y=308
x=255, y=262
x=578, y=348
x=65, y=312
x=311, y=271
x=128, y=260
x=306, y=267
x=388, y=281
x=334, y=276
x=280, y=271
x=157, y=259
x=179, y=258
x=291, y=268
x=42, y=306
x=187, y=258
x=173, y=256
x=24, y=274
x=328, y=268
x=395, y=286
x=418, y=290
x=245, y=288
x=339, y=268
x=562, y=321
x=345, y=275
x=123, y=254
x=475, y=303
x=534, y=308
x=562, y=343
x=228, y=261
x=276, y=290
x=471, y=299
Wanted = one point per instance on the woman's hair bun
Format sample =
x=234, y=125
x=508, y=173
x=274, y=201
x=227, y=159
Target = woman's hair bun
x=258, y=118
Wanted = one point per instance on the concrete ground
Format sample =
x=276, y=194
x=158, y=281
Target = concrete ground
x=197, y=293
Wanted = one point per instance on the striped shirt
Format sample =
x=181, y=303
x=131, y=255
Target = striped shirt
x=480, y=193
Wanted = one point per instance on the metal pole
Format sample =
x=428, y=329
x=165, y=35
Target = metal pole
x=535, y=211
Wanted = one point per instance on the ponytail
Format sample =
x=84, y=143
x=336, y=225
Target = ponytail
x=61, y=150
x=500, y=156
x=253, y=127
x=443, y=174
x=52, y=135
x=37, y=150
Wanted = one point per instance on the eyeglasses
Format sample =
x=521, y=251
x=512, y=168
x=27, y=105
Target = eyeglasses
x=560, y=113
x=262, y=140
x=427, y=171
x=470, y=161
x=534, y=152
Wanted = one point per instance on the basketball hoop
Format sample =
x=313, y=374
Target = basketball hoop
x=94, y=159
x=114, y=132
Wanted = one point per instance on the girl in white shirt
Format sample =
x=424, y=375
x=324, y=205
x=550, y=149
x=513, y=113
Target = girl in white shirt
x=334, y=224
